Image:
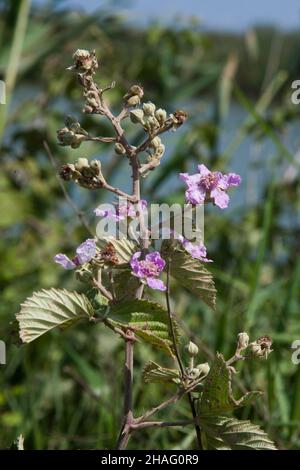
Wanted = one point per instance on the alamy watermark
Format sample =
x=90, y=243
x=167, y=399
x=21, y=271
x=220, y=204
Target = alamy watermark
x=2, y=92
x=156, y=221
x=2, y=352
x=295, y=98
x=296, y=354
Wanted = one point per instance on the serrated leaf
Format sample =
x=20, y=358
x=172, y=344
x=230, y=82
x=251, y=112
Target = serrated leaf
x=217, y=397
x=124, y=248
x=223, y=433
x=190, y=272
x=154, y=373
x=125, y=285
x=149, y=320
x=52, y=308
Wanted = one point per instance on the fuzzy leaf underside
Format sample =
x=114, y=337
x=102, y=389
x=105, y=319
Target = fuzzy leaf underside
x=223, y=433
x=154, y=373
x=190, y=272
x=48, y=309
x=217, y=397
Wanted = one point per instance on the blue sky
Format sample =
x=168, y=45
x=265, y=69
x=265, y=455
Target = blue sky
x=224, y=14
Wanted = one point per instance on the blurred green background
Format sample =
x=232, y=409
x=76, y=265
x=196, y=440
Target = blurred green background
x=65, y=390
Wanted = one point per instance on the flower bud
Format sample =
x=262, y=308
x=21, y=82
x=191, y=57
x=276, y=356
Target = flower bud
x=85, y=61
x=179, y=117
x=87, y=109
x=120, y=149
x=261, y=347
x=149, y=108
x=159, y=151
x=78, y=138
x=136, y=90
x=66, y=172
x=156, y=142
x=95, y=165
x=203, y=368
x=151, y=124
x=137, y=116
x=192, y=349
x=161, y=115
x=133, y=100
x=81, y=163
x=65, y=136
x=243, y=341
x=193, y=373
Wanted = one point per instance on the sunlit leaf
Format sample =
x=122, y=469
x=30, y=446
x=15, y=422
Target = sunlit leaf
x=190, y=272
x=222, y=433
x=48, y=309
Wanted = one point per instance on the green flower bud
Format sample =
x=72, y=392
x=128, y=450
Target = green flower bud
x=243, y=341
x=78, y=138
x=149, y=108
x=137, y=116
x=133, y=100
x=81, y=163
x=88, y=172
x=151, y=124
x=203, y=368
x=120, y=149
x=95, y=165
x=65, y=136
x=192, y=349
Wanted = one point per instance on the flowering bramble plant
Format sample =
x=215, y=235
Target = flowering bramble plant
x=123, y=273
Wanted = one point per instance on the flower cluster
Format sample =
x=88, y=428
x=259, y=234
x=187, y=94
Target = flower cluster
x=72, y=134
x=209, y=185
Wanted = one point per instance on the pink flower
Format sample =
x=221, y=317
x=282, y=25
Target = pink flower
x=208, y=184
x=148, y=269
x=122, y=211
x=84, y=253
x=196, y=251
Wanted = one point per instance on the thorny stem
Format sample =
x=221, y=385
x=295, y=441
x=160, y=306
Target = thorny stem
x=178, y=357
x=128, y=381
x=129, y=423
x=174, y=399
x=161, y=424
x=129, y=340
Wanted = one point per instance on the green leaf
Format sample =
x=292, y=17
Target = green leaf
x=148, y=319
x=48, y=309
x=124, y=248
x=125, y=285
x=223, y=433
x=190, y=272
x=217, y=397
x=154, y=373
